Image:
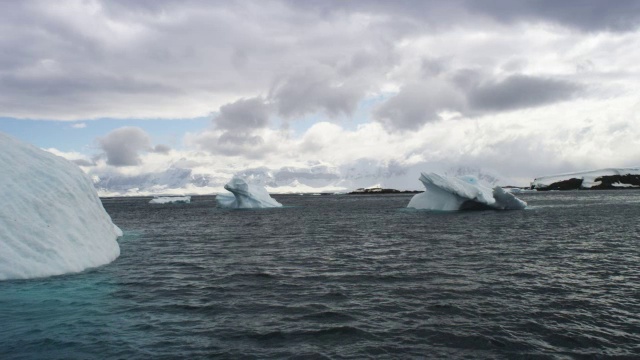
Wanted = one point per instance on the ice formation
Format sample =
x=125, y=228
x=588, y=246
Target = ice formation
x=171, y=199
x=447, y=193
x=245, y=196
x=51, y=219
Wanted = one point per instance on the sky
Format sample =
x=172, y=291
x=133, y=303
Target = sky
x=524, y=88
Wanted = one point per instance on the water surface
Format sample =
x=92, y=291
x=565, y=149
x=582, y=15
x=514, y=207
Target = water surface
x=345, y=277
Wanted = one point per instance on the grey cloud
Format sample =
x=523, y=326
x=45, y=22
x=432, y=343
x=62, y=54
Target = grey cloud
x=588, y=15
x=417, y=104
x=468, y=92
x=161, y=149
x=122, y=146
x=243, y=115
x=83, y=162
x=233, y=144
x=114, y=58
x=316, y=89
x=518, y=92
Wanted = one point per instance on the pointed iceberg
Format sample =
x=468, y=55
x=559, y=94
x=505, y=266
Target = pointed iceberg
x=51, y=219
x=245, y=196
x=446, y=193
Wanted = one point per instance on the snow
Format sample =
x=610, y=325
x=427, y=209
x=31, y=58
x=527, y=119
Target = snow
x=621, y=185
x=588, y=177
x=51, y=219
x=449, y=193
x=245, y=196
x=171, y=199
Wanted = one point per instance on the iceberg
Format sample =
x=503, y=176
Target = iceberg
x=171, y=199
x=446, y=193
x=51, y=219
x=245, y=196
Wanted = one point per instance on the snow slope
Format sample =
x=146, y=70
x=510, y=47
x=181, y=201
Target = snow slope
x=171, y=199
x=448, y=193
x=588, y=177
x=245, y=196
x=51, y=219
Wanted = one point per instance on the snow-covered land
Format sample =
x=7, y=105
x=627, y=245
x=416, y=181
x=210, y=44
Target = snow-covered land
x=245, y=196
x=595, y=179
x=171, y=199
x=51, y=219
x=448, y=193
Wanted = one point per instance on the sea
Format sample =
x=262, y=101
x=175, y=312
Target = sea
x=345, y=277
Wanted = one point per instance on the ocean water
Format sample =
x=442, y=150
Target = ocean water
x=345, y=277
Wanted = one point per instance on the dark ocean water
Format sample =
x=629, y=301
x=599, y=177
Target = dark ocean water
x=345, y=277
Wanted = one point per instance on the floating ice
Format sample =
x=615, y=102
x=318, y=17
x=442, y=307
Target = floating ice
x=51, y=219
x=245, y=196
x=171, y=199
x=447, y=193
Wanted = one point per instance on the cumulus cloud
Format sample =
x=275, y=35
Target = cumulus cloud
x=122, y=146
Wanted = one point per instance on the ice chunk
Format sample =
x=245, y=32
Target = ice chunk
x=171, y=199
x=446, y=193
x=51, y=219
x=245, y=196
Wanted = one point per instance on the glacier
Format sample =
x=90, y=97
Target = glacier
x=448, y=193
x=51, y=219
x=171, y=199
x=245, y=196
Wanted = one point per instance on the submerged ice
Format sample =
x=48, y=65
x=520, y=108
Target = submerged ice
x=245, y=196
x=446, y=193
x=51, y=219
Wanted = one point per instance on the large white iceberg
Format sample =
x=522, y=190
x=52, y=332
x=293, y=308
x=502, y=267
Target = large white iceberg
x=446, y=193
x=245, y=196
x=51, y=219
x=171, y=200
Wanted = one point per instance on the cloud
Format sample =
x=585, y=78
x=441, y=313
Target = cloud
x=517, y=92
x=243, y=115
x=316, y=89
x=79, y=125
x=585, y=15
x=83, y=162
x=161, y=149
x=466, y=92
x=250, y=145
x=78, y=60
x=417, y=104
x=123, y=146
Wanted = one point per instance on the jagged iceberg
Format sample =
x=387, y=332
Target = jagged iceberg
x=446, y=193
x=245, y=196
x=171, y=199
x=51, y=219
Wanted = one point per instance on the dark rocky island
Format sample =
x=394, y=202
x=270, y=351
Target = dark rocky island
x=606, y=179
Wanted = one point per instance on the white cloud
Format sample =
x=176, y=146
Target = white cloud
x=526, y=88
